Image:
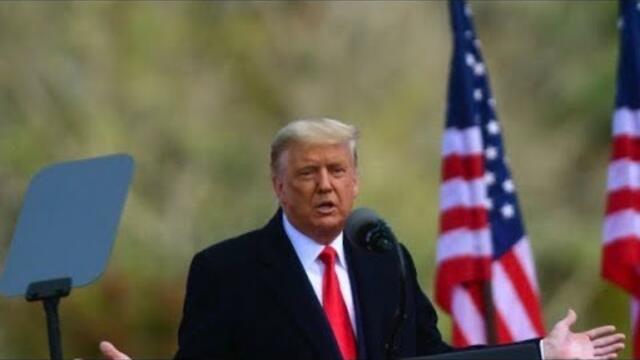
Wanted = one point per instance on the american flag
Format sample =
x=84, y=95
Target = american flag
x=486, y=276
x=621, y=231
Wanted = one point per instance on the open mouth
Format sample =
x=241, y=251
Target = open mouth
x=326, y=207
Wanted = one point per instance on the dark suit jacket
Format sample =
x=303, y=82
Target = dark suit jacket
x=249, y=297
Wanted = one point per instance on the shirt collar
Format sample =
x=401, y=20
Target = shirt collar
x=307, y=249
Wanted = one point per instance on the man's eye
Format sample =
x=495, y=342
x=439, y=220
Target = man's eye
x=339, y=171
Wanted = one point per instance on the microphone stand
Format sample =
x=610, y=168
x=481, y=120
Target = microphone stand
x=382, y=239
x=391, y=347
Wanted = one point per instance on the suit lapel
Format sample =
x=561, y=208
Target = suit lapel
x=285, y=275
x=375, y=285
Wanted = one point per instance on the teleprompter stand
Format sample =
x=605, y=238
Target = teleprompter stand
x=50, y=292
x=65, y=233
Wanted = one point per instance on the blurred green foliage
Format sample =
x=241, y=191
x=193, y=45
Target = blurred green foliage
x=195, y=90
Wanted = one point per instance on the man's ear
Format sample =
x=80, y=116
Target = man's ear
x=277, y=184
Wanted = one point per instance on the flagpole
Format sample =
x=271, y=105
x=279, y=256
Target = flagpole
x=489, y=313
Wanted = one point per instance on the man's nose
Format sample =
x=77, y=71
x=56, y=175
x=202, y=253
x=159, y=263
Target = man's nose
x=324, y=181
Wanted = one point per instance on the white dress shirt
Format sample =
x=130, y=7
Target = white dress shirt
x=308, y=251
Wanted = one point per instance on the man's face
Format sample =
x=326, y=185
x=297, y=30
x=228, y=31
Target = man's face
x=316, y=185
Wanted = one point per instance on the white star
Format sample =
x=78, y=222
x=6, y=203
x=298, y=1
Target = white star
x=620, y=23
x=488, y=204
x=478, y=69
x=492, y=102
x=470, y=59
x=477, y=43
x=638, y=6
x=491, y=152
x=489, y=178
x=467, y=10
x=468, y=34
x=493, y=127
x=508, y=186
x=507, y=211
x=477, y=94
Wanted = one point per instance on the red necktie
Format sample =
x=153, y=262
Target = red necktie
x=334, y=306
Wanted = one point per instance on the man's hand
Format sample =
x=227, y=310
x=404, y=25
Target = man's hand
x=111, y=353
x=597, y=343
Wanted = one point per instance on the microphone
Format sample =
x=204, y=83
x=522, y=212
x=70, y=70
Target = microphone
x=367, y=230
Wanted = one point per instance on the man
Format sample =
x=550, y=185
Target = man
x=297, y=289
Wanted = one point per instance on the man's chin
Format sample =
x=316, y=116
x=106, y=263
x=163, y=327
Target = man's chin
x=330, y=226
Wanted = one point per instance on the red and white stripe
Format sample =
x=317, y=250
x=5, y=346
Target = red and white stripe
x=465, y=254
x=621, y=230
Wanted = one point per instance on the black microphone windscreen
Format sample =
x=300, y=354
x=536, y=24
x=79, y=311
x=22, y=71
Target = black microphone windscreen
x=359, y=223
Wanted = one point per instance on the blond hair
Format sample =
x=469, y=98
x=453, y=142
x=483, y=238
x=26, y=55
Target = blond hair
x=313, y=131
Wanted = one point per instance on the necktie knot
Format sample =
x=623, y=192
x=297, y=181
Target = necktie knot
x=328, y=256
